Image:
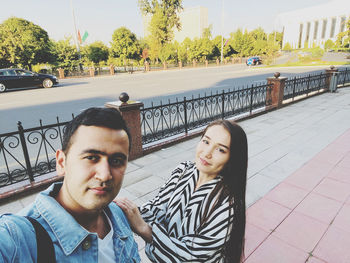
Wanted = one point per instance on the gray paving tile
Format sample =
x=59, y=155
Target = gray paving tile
x=148, y=159
x=135, y=176
x=145, y=186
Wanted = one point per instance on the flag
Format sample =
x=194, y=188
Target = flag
x=85, y=36
x=226, y=43
x=79, y=38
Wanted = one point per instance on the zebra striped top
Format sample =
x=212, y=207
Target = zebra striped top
x=175, y=215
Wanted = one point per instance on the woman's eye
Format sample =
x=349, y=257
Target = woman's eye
x=205, y=141
x=221, y=150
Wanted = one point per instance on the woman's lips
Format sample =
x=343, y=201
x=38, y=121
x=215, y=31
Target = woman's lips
x=204, y=162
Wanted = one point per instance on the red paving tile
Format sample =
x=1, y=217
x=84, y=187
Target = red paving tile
x=333, y=189
x=342, y=220
x=331, y=155
x=340, y=173
x=287, y=195
x=301, y=231
x=274, y=250
x=315, y=260
x=334, y=246
x=253, y=238
x=266, y=214
x=310, y=175
x=319, y=207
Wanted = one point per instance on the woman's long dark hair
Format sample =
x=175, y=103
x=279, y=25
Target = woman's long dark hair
x=232, y=186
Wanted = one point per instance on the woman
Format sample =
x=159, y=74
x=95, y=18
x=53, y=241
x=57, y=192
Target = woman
x=199, y=214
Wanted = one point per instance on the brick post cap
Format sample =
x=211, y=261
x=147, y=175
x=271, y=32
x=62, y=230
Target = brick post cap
x=277, y=75
x=332, y=67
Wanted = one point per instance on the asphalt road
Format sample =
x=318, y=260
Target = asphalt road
x=74, y=95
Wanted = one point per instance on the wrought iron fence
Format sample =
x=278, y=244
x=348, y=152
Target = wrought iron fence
x=343, y=76
x=166, y=120
x=304, y=85
x=27, y=153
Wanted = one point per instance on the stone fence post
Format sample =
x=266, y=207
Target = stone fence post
x=329, y=73
x=217, y=62
x=130, y=111
x=111, y=69
x=180, y=64
x=274, y=98
x=61, y=73
x=206, y=63
x=92, y=72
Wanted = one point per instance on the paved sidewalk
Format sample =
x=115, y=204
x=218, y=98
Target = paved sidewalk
x=306, y=218
x=300, y=143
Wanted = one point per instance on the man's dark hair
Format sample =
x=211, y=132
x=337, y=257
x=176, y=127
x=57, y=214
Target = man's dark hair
x=100, y=117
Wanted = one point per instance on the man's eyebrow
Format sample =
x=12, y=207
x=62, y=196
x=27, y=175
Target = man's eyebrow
x=223, y=145
x=93, y=151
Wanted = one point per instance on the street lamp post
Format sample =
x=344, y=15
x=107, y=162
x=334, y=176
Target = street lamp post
x=222, y=33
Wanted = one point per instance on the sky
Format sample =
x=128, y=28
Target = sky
x=101, y=17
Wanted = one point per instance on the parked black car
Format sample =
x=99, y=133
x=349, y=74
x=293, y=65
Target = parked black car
x=21, y=78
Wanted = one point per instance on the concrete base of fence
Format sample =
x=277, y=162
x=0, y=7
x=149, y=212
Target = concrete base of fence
x=275, y=97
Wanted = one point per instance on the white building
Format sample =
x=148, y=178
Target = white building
x=314, y=25
x=193, y=22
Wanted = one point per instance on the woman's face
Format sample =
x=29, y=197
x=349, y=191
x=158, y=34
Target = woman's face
x=213, y=151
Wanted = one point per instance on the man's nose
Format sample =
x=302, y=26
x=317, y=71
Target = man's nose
x=103, y=171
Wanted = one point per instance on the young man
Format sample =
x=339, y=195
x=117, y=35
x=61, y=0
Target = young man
x=77, y=214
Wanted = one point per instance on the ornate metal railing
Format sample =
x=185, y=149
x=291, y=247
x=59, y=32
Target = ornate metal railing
x=27, y=153
x=166, y=120
x=304, y=85
x=343, y=76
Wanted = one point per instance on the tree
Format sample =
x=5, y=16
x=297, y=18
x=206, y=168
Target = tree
x=287, y=47
x=163, y=21
x=23, y=43
x=66, y=55
x=343, y=38
x=96, y=52
x=242, y=43
x=125, y=45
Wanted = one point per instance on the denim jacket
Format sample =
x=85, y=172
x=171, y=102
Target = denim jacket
x=71, y=241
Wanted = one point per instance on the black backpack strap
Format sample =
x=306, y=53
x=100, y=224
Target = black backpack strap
x=45, y=249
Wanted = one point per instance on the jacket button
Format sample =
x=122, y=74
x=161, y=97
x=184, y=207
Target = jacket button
x=86, y=244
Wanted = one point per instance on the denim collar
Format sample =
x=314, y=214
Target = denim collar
x=58, y=219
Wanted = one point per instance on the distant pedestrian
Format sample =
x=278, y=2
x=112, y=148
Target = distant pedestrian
x=199, y=214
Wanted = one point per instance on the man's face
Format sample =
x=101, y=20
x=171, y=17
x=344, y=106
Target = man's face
x=93, y=168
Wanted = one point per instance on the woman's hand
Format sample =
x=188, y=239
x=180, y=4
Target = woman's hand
x=137, y=224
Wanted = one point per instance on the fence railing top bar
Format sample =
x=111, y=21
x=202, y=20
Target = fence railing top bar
x=46, y=126
x=8, y=134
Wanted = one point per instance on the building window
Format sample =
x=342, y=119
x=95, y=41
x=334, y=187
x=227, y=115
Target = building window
x=342, y=24
x=334, y=20
x=324, y=27
x=308, y=25
x=315, y=30
x=300, y=35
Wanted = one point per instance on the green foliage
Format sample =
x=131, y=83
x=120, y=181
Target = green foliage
x=125, y=44
x=169, y=9
x=343, y=38
x=23, y=43
x=66, y=55
x=96, y=52
x=287, y=47
x=227, y=49
x=329, y=44
x=161, y=27
x=243, y=43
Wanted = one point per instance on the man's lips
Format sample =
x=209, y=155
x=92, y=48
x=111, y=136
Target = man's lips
x=100, y=190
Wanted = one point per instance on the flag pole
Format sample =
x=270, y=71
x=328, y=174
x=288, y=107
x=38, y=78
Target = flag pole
x=75, y=34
